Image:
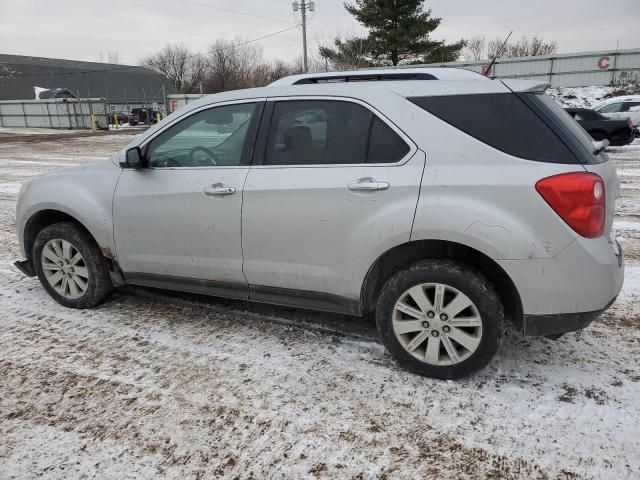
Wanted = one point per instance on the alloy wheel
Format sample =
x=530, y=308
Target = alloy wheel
x=65, y=268
x=437, y=324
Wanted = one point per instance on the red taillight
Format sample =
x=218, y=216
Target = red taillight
x=631, y=125
x=578, y=198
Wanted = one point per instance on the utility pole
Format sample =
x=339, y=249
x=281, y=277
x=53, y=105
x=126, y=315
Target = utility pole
x=304, y=6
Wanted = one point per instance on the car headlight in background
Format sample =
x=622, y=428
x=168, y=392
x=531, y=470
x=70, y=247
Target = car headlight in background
x=25, y=186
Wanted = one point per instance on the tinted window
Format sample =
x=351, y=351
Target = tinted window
x=573, y=134
x=503, y=121
x=628, y=105
x=385, y=146
x=213, y=137
x=322, y=132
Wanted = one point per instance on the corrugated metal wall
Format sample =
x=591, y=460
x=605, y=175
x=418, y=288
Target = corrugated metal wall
x=566, y=70
x=52, y=113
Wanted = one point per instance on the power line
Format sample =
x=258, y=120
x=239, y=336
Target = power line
x=234, y=11
x=126, y=67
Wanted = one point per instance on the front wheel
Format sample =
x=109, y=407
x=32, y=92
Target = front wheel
x=440, y=319
x=70, y=266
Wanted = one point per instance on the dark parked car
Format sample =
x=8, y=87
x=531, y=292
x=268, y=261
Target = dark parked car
x=124, y=117
x=618, y=132
x=145, y=115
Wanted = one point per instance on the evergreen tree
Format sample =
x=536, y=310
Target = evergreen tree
x=399, y=32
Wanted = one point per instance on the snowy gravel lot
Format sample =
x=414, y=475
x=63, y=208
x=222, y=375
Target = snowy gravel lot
x=159, y=384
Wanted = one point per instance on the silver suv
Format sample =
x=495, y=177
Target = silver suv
x=442, y=201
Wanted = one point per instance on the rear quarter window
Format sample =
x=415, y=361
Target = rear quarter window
x=503, y=121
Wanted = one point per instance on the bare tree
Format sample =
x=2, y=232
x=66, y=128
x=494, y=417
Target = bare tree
x=185, y=70
x=479, y=48
x=531, y=47
x=475, y=49
x=278, y=70
x=234, y=64
x=110, y=57
x=114, y=57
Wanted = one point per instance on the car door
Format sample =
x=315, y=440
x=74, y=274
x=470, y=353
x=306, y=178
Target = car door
x=333, y=187
x=180, y=217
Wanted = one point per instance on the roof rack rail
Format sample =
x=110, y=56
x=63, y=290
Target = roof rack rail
x=408, y=72
x=364, y=77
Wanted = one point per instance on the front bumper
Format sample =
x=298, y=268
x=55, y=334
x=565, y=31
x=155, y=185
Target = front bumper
x=26, y=267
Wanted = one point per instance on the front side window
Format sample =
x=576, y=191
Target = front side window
x=611, y=108
x=209, y=138
x=330, y=132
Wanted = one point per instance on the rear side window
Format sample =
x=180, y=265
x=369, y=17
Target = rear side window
x=330, y=132
x=629, y=105
x=503, y=121
x=385, y=146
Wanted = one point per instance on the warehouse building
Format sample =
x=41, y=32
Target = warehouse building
x=21, y=78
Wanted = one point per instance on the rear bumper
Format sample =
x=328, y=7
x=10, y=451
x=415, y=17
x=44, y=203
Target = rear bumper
x=622, y=140
x=540, y=325
x=26, y=267
x=577, y=283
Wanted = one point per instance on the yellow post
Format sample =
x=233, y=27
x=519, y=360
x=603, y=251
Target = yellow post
x=115, y=120
x=158, y=117
x=93, y=123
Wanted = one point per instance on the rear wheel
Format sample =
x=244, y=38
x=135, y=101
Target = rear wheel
x=599, y=136
x=440, y=319
x=70, y=266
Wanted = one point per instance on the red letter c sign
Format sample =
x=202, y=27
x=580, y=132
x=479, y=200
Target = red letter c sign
x=604, y=63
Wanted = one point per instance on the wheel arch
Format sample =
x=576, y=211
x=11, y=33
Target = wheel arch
x=604, y=133
x=403, y=255
x=49, y=216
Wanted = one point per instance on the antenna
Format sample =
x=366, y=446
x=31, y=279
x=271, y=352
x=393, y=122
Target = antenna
x=487, y=72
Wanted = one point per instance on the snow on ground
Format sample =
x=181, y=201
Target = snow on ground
x=579, y=96
x=182, y=386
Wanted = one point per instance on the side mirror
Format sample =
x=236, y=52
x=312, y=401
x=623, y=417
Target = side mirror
x=133, y=158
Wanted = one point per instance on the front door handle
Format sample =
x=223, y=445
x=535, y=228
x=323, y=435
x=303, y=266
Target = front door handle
x=218, y=189
x=367, y=184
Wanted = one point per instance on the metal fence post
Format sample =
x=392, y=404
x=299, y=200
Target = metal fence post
x=551, y=72
x=1, y=122
x=49, y=114
x=24, y=114
x=613, y=69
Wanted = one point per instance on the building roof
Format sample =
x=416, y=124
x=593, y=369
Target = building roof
x=19, y=75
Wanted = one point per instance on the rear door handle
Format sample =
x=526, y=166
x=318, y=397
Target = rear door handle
x=218, y=189
x=367, y=185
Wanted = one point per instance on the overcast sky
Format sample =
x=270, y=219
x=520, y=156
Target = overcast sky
x=81, y=29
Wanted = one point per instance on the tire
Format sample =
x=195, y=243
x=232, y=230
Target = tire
x=410, y=340
x=599, y=136
x=87, y=278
